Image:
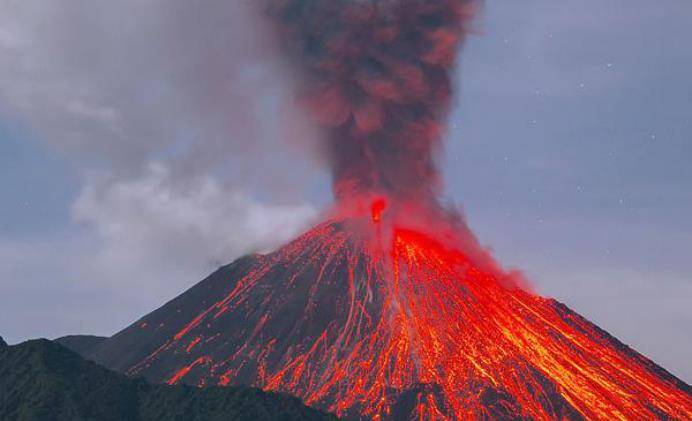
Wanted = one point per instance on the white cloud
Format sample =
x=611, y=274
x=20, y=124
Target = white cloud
x=197, y=224
x=147, y=240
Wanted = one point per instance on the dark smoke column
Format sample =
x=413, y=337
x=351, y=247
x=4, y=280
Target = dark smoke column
x=376, y=75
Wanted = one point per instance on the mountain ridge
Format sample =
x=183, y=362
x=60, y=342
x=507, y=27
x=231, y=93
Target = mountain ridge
x=81, y=344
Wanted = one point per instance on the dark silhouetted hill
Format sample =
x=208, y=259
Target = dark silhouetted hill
x=81, y=344
x=44, y=381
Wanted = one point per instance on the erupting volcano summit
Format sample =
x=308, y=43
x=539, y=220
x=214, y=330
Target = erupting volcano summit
x=399, y=328
x=389, y=309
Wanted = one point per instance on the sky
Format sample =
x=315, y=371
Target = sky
x=143, y=144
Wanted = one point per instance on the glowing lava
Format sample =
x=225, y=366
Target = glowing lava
x=377, y=207
x=413, y=329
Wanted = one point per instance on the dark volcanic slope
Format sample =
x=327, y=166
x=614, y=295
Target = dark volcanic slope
x=43, y=381
x=145, y=335
x=417, y=331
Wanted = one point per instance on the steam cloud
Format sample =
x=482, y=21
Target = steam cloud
x=376, y=76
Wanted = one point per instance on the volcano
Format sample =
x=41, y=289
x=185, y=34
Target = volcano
x=373, y=321
x=389, y=309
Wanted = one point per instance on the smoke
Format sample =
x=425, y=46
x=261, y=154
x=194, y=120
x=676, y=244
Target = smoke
x=376, y=76
x=179, y=120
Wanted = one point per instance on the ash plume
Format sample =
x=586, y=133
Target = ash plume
x=376, y=76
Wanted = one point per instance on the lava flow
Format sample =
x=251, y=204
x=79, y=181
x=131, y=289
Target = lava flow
x=397, y=326
x=390, y=309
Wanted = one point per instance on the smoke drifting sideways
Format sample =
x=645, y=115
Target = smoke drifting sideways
x=376, y=76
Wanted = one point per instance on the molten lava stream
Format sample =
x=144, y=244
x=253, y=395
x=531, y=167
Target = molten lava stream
x=388, y=323
x=458, y=325
x=423, y=314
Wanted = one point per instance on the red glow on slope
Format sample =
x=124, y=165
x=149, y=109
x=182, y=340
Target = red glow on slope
x=185, y=370
x=419, y=315
x=192, y=344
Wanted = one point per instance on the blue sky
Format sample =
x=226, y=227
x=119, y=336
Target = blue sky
x=571, y=159
x=568, y=151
